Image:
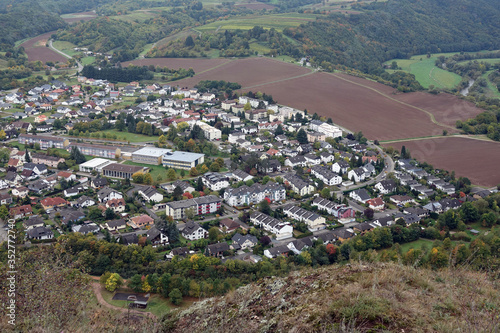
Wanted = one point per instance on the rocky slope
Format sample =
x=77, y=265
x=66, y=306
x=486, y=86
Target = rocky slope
x=381, y=297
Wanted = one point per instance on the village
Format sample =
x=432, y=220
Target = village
x=189, y=171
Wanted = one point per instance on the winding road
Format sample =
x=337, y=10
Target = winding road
x=80, y=66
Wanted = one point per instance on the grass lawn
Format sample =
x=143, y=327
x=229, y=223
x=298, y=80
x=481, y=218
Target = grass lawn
x=87, y=60
x=277, y=21
x=159, y=170
x=492, y=89
x=157, y=304
x=426, y=73
x=132, y=137
x=65, y=47
x=418, y=244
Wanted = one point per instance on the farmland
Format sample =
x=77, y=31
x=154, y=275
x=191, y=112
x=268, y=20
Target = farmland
x=36, y=50
x=77, y=17
x=198, y=65
x=476, y=159
x=278, y=21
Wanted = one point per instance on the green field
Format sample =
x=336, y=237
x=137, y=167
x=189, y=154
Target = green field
x=138, y=15
x=426, y=73
x=156, y=304
x=65, y=47
x=132, y=137
x=492, y=89
x=279, y=22
x=87, y=60
x=489, y=61
x=418, y=244
x=159, y=170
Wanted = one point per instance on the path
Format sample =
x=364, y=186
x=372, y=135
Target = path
x=471, y=137
x=97, y=291
x=80, y=66
x=281, y=80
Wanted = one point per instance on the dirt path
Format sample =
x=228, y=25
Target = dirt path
x=97, y=291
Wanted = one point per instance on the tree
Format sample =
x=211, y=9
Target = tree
x=279, y=130
x=325, y=193
x=213, y=234
x=368, y=213
x=265, y=207
x=171, y=175
x=199, y=184
x=193, y=172
x=247, y=107
x=175, y=296
x=169, y=228
x=77, y=156
x=469, y=212
x=177, y=193
x=27, y=156
x=189, y=41
x=114, y=282
x=4, y=212
x=302, y=136
x=109, y=214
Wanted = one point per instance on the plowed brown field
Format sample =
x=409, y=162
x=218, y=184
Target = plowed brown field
x=36, y=50
x=475, y=159
x=198, y=65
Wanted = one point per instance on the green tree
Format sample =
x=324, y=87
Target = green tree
x=27, y=156
x=4, y=212
x=213, y=234
x=264, y=207
x=177, y=193
x=302, y=136
x=109, y=214
x=325, y=193
x=135, y=283
x=171, y=175
x=175, y=296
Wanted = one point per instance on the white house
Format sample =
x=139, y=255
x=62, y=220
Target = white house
x=357, y=175
x=193, y=231
x=151, y=194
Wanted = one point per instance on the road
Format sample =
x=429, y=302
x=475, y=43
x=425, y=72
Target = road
x=80, y=66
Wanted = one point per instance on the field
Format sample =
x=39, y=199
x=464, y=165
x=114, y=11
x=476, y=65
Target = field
x=478, y=160
x=279, y=22
x=36, y=50
x=426, y=73
x=158, y=172
x=198, y=65
x=126, y=136
x=255, y=5
x=65, y=47
x=77, y=17
x=249, y=72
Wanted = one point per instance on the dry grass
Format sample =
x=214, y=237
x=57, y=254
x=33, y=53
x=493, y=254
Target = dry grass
x=380, y=297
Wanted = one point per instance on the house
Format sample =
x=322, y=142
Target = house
x=20, y=212
x=276, y=251
x=244, y=241
x=184, y=186
x=340, y=167
x=299, y=245
x=360, y=195
x=68, y=176
x=386, y=186
x=98, y=182
x=215, y=181
x=108, y=193
x=83, y=202
x=116, y=225
x=327, y=176
x=39, y=186
x=217, y=250
x=314, y=221
x=363, y=227
x=156, y=237
x=208, y=204
x=340, y=211
x=376, y=204
x=38, y=169
x=228, y=225
x=13, y=179
x=51, y=203
x=33, y=222
x=193, y=231
x=282, y=230
x=312, y=159
x=15, y=163
x=150, y=194
x=241, y=175
x=181, y=252
x=50, y=161
x=20, y=192
x=343, y=234
x=75, y=190
x=84, y=229
x=247, y=195
x=296, y=161
x=40, y=233
x=401, y=200
x=357, y=175
x=130, y=239
x=5, y=199
x=383, y=221
x=298, y=185
x=142, y=220
x=117, y=205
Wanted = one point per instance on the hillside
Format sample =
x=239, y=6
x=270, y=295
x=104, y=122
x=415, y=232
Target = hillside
x=377, y=297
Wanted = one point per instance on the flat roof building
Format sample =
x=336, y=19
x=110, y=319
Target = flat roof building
x=149, y=155
x=116, y=170
x=182, y=159
x=95, y=164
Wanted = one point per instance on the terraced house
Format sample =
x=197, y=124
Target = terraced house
x=44, y=141
x=199, y=206
x=254, y=194
x=314, y=221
